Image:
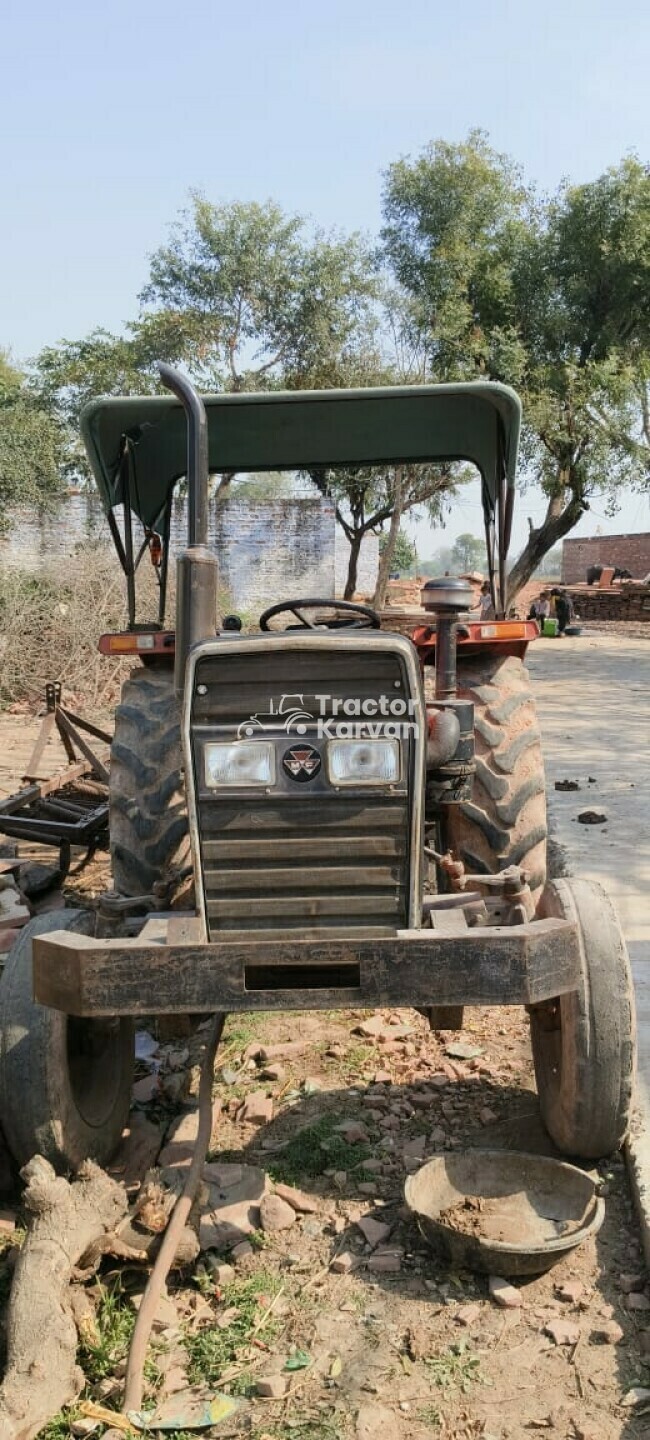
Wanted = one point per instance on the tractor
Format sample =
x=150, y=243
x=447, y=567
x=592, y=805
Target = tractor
x=320, y=813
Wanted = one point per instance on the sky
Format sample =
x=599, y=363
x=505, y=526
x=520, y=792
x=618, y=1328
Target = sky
x=112, y=113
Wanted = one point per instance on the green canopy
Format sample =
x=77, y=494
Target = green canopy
x=303, y=430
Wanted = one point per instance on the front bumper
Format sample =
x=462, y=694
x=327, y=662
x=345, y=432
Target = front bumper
x=167, y=969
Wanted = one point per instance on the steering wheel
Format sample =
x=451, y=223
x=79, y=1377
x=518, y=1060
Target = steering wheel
x=353, y=617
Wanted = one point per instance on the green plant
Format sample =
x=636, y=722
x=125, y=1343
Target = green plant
x=357, y=1058
x=58, y=1428
x=315, y=1428
x=455, y=1368
x=429, y=1415
x=316, y=1148
x=115, y=1322
x=239, y=1031
x=213, y=1348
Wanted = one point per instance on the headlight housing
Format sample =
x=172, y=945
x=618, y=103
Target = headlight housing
x=363, y=762
x=246, y=763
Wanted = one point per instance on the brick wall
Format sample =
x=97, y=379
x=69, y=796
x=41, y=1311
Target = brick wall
x=627, y=602
x=272, y=550
x=629, y=552
x=367, y=567
x=268, y=549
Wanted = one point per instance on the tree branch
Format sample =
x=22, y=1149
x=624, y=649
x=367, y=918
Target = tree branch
x=561, y=516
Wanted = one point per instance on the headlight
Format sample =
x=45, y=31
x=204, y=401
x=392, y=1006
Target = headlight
x=363, y=762
x=246, y=763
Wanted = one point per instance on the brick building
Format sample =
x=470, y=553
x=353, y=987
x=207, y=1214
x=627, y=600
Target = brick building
x=628, y=552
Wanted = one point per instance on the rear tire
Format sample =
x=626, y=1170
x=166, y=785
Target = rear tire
x=504, y=821
x=584, y=1046
x=147, y=807
x=65, y=1083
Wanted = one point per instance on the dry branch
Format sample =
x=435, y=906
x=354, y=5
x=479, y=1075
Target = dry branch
x=66, y=1218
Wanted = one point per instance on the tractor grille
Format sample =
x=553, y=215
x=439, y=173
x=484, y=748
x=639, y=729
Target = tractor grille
x=300, y=859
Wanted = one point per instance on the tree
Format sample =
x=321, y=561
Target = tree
x=387, y=551
x=454, y=222
x=590, y=272
x=366, y=498
x=468, y=553
x=30, y=445
x=71, y=374
x=404, y=554
x=245, y=298
x=551, y=297
x=251, y=299
x=441, y=563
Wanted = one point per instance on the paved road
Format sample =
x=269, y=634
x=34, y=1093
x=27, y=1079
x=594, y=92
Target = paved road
x=593, y=697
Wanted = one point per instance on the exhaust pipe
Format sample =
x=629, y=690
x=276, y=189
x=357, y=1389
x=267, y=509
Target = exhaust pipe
x=446, y=599
x=196, y=567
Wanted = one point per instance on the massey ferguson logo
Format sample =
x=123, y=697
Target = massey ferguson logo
x=301, y=763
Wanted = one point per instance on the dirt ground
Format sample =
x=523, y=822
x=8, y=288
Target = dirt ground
x=359, y=1330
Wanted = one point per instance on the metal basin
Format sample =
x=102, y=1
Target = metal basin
x=503, y=1212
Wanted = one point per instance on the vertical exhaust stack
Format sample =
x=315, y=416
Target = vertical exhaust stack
x=446, y=599
x=196, y=567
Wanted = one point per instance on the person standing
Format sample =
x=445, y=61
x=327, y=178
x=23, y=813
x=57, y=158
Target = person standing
x=540, y=608
x=563, y=611
x=486, y=609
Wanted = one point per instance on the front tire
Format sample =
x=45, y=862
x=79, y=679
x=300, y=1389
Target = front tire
x=584, y=1046
x=65, y=1083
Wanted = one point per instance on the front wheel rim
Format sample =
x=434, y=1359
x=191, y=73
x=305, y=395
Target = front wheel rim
x=94, y=1057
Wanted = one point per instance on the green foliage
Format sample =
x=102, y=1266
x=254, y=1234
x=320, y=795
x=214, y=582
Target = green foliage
x=59, y=1427
x=366, y=497
x=212, y=1348
x=296, y=1429
x=31, y=450
x=245, y=298
x=547, y=295
x=316, y=1148
x=468, y=553
x=76, y=371
x=454, y=223
x=441, y=562
x=483, y=278
x=431, y=1416
x=404, y=553
x=250, y=299
x=455, y=1368
x=115, y=1322
x=254, y=489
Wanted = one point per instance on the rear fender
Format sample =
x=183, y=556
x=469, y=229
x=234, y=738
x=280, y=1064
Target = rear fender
x=474, y=637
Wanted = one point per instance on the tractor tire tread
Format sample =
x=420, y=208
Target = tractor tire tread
x=504, y=822
x=148, y=809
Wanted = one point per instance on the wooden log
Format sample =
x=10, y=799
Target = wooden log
x=66, y=1218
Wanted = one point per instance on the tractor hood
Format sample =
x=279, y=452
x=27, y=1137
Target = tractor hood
x=303, y=430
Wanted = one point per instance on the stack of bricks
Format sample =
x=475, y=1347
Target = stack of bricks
x=629, y=601
x=404, y=594
x=14, y=913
